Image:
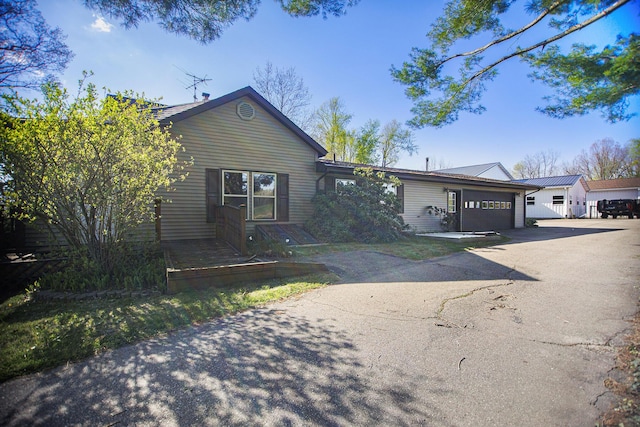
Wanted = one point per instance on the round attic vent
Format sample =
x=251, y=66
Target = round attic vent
x=246, y=111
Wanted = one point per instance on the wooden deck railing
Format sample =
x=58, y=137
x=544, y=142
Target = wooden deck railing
x=231, y=226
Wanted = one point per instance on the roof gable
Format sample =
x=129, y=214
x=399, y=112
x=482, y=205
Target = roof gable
x=476, y=170
x=176, y=113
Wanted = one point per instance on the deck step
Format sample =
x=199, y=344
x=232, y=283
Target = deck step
x=290, y=234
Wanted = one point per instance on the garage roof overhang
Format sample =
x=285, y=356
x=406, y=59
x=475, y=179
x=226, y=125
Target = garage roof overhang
x=328, y=166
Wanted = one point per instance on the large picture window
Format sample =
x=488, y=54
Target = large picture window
x=258, y=191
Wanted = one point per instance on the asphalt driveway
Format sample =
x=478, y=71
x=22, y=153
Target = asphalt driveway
x=518, y=334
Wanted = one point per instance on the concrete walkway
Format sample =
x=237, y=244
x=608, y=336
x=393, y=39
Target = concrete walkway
x=518, y=334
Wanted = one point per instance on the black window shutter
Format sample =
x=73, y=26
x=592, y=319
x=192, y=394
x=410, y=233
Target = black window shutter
x=400, y=194
x=283, y=197
x=213, y=193
x=330, y=184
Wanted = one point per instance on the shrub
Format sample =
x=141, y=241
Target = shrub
x=269, y=248
x=138, y=266
x=365, y=212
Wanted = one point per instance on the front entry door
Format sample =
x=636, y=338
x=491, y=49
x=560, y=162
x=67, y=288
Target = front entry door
x=452, y=220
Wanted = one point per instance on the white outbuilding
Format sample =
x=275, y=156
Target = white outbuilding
x=562, y=197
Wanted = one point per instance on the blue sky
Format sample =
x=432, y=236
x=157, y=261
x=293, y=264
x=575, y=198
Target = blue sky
x=348, y=57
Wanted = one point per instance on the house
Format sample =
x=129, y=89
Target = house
x=488, y=170
x=611, y=189
x=244, y=152
x=476, y=204
x=562, y=197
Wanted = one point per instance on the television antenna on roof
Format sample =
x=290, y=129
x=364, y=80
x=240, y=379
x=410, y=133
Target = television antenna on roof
x=194, y=82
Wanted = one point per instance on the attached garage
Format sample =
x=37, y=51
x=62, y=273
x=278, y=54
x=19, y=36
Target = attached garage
x=486, y=210
x=468, y=203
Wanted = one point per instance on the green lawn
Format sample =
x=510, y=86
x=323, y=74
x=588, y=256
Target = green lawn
x=36, y=335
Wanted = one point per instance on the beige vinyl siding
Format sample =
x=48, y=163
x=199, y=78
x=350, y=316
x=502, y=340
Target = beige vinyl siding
x=219, y=139
x=420, y=194
x=417, y=196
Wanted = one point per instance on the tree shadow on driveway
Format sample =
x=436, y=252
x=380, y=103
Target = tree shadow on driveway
x=262, y=367
x=376, y=267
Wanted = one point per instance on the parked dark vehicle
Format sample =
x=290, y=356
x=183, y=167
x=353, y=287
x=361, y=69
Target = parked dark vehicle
x=619, y=207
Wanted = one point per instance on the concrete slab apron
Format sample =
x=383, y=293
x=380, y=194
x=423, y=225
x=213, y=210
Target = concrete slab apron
x=519, y=334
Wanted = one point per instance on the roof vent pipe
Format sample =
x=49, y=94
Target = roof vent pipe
x=427, y=164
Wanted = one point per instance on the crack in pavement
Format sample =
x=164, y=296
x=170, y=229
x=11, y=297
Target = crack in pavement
x=465, y=295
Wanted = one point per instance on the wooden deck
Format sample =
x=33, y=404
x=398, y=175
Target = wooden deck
x=201, y=253
x=213, y=263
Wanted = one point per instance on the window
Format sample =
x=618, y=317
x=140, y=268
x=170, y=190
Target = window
x=235, y=188
x=342, y=182
x=258, y=191
x=531, y=200
x=390, y=188
x=558, y=200
x=508, y=205
x=451, y=202
x=503, y=205
x=264, y=196
x=485, y=204
x=491, y=205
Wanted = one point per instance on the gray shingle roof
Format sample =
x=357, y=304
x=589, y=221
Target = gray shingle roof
x=166, y=112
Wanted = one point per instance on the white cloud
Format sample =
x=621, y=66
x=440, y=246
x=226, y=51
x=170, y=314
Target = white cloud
x=101, y=25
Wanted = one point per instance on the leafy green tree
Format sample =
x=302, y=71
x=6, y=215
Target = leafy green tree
x=584, y=80
x=365, y=212
x=634, y=153
x=205, y=20
x=89, y=169
x=393, y=140
x=367, y=142
x=587, y=79
x=30, y=51
x=331, y=121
